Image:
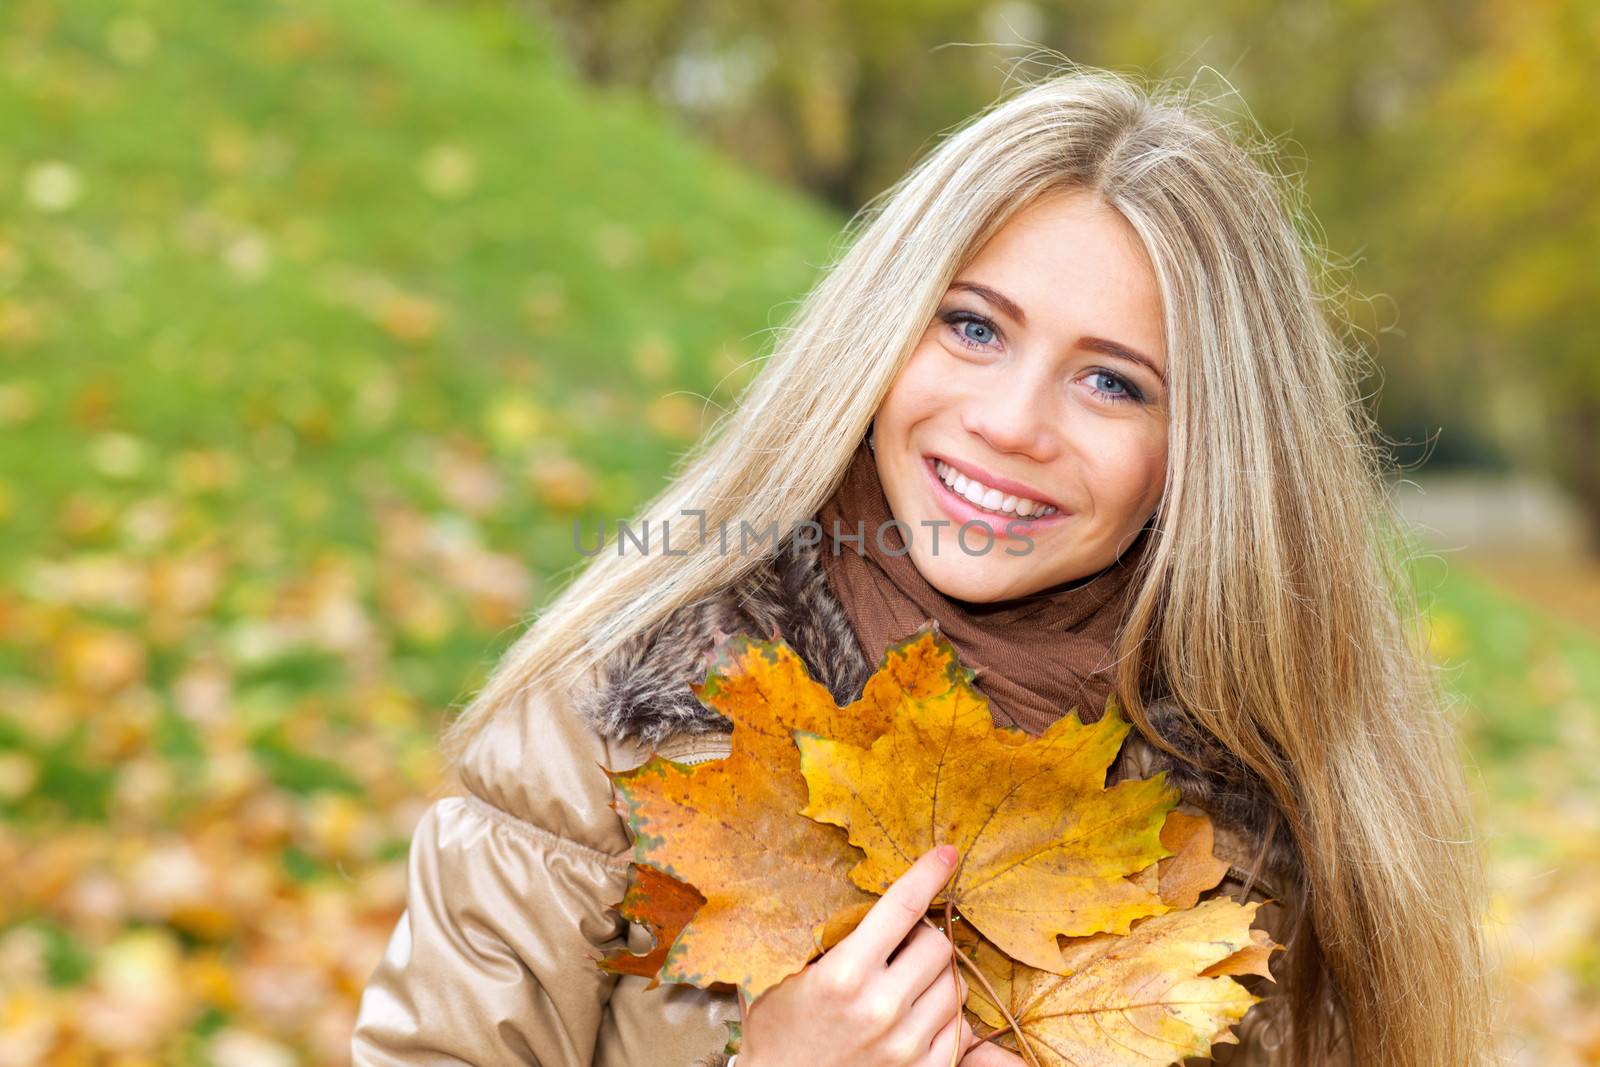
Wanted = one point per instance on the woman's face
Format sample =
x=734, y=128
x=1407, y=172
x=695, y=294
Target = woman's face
x=1041, y=376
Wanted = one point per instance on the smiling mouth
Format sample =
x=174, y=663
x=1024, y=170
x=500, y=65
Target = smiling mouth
x=959, y=502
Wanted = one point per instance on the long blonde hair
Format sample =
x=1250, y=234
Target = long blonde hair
x=1273, y=603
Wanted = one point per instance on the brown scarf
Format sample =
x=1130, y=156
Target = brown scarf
x=1036, y=656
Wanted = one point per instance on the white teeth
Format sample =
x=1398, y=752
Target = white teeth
x=990, y=499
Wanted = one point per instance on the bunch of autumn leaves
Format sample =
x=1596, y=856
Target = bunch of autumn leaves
x=1077, y=907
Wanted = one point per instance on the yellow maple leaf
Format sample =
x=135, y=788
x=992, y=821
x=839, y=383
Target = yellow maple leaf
x=1046, y=849
x=1151, y=997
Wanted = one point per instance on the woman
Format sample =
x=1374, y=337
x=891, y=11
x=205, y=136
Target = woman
x=1084, y=326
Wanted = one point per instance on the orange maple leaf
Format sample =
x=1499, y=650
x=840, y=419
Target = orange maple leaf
x=664, y=906
x=775, y=883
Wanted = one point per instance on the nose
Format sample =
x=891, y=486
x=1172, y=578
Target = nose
x=1017, y=416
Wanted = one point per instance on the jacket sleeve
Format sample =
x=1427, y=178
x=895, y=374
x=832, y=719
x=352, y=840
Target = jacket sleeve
x=508, y=902
x=490, y=962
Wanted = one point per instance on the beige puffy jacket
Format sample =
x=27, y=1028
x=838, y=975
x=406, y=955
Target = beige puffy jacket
x=513, y=878
x=509, y=900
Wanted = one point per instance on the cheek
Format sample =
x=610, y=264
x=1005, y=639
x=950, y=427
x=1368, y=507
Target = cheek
x=922, y=386
x=1153, y=452
x=1130, y=468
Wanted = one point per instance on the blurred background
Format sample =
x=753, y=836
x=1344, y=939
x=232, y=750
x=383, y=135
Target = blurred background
x=322, y=320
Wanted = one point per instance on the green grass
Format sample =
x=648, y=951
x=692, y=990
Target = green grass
x=270, y=184
x=319, y=246
x=320, y=323
x=1530, y=684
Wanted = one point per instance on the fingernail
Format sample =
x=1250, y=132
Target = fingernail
x=947, y=855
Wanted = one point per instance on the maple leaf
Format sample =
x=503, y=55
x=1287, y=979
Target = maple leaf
x=1151, y=997
x=776, y=885
x=741, y=882
x=663, y=905
x=1252, y=959
x=1046, y=849
x=1192, y=868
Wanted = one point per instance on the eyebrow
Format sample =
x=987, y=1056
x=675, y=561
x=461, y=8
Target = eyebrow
x=1098, y=344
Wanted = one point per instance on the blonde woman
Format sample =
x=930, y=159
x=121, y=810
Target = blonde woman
x=1072, y=380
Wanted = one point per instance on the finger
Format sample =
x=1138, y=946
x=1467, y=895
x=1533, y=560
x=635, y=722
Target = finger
x=926, y=954
x=932, y=1011
x=900, y=908
x=956, y=1030
x=988, y=1054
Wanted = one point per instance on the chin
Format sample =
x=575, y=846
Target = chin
x=961, y=579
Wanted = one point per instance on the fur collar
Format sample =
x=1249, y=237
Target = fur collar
x=644, y=692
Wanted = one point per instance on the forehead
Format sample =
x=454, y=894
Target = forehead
x=1075, y=266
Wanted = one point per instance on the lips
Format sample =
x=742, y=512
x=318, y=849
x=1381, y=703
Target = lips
x=964, y=511
x=995, y=481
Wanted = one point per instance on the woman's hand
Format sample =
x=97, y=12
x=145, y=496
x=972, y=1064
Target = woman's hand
x=985, y=1054
x=856, y=1007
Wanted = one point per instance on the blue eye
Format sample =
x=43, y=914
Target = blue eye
x=982, y=330
x=961, y=320
x=1122, y=388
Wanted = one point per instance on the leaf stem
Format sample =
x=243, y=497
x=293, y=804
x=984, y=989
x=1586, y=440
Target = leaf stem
x=994, y=998
x=955, y=973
